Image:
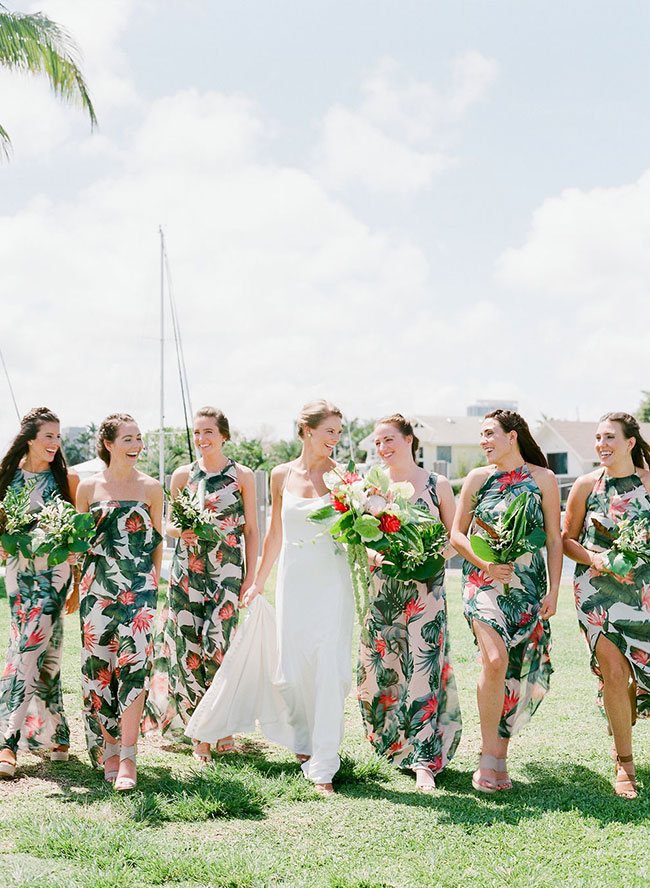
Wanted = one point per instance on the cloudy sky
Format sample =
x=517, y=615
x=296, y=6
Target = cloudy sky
x=397, y=204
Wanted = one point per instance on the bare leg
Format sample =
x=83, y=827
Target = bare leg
x=490, y=694
x=617, y=674
x=130, y=724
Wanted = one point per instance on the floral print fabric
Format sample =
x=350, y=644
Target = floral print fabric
x=200, y=615
x=616, y=607
x=117, y=607
x=514, y=615
x=406, y=685
x=31, y=699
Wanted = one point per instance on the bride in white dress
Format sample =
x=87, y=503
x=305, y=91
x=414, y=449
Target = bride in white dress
x=314, y=599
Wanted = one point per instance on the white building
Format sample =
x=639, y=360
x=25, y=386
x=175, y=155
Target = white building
x=569, y=448
x=448, y=444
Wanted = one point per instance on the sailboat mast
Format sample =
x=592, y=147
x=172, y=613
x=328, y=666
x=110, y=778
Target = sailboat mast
x=161, y=440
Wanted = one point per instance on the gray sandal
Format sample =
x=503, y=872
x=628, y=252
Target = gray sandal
x=110, y=750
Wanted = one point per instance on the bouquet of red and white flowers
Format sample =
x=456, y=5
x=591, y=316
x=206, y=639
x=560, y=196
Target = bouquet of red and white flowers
x=188, y=512
x=375, y=513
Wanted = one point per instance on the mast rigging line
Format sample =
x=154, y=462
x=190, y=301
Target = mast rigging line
x=180, y=357
x=11, y=389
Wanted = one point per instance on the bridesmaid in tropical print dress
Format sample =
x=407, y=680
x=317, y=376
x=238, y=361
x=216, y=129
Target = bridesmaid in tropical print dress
x=510, y=627
x=613, y=611
x=31, y=699
x=406, y=685
x=207, y=579
x=118, y=598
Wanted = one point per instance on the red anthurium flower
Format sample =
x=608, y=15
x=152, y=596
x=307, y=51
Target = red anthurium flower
x=338, y=504
x=389, y=523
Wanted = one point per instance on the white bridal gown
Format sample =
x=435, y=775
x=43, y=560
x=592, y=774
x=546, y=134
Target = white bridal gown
x=315, y=608
x=291, y=674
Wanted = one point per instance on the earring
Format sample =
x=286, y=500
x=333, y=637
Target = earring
x=309, y=434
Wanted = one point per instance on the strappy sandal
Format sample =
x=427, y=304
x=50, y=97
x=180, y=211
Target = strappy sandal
x=126, y=784
x=324, y=789
x=625, y=786
x=202, y=757
x=485, y=784
x=505, y=783
x=7, y=768
x=226, y=744
x=110, y=751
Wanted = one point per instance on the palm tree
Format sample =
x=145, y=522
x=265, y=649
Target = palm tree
x=36, y=44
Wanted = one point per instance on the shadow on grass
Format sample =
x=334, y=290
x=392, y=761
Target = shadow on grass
x=559, y=788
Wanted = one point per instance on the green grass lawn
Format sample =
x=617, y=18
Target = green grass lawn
x=250, y=819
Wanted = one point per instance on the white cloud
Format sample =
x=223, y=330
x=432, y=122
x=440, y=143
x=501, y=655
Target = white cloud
x=391, y=142
x=585, y=266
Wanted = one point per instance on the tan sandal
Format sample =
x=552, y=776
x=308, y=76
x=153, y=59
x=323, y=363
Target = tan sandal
x=324, y=789
x=126, y=784
x=505, y=783
x=110, y=751
x=226, y=744
x=625, y=786
x=202, y=757
x=7, y=768
x=485, y=784
x=424, y=780
x=59, y=754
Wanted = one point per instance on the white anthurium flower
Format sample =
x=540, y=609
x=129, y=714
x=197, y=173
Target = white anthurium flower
x=376, y=504
x=332, y=479
x=403, y=488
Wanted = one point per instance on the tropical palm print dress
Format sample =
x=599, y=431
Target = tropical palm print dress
x=200, y=615
x=616, y=607
x=31, y=699
x=117, y=608
x=406, y=685
x=515, y=614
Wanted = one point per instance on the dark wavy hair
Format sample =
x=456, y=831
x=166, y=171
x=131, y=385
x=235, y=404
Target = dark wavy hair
x=29, y=427
x=528, y=446
x=405, y=427
x=641, y=450
x=108, y=432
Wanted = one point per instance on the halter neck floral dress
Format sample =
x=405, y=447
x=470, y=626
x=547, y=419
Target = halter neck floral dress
x=406, y=685
x=200, y=616
x=117, y=607
x=616, y=607
x=31, y=699
x=515, y=614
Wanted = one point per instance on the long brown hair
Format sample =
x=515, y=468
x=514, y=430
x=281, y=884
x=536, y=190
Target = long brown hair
x=528, y=446
x=641, y=450
x=29, y=427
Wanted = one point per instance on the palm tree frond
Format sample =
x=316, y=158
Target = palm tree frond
x=5, y=144
x=38, y=45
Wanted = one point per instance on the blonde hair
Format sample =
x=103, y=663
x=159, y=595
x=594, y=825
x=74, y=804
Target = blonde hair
x=314, y=412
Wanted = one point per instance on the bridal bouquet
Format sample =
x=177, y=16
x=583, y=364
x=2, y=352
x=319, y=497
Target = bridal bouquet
x=189, y=513
x=16, y=520
x=512, y=536
x=61, y=530
x=375, y=513
x=630, y=543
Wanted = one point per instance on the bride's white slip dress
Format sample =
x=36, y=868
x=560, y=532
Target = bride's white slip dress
x=315, y=614
x=291, y=675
